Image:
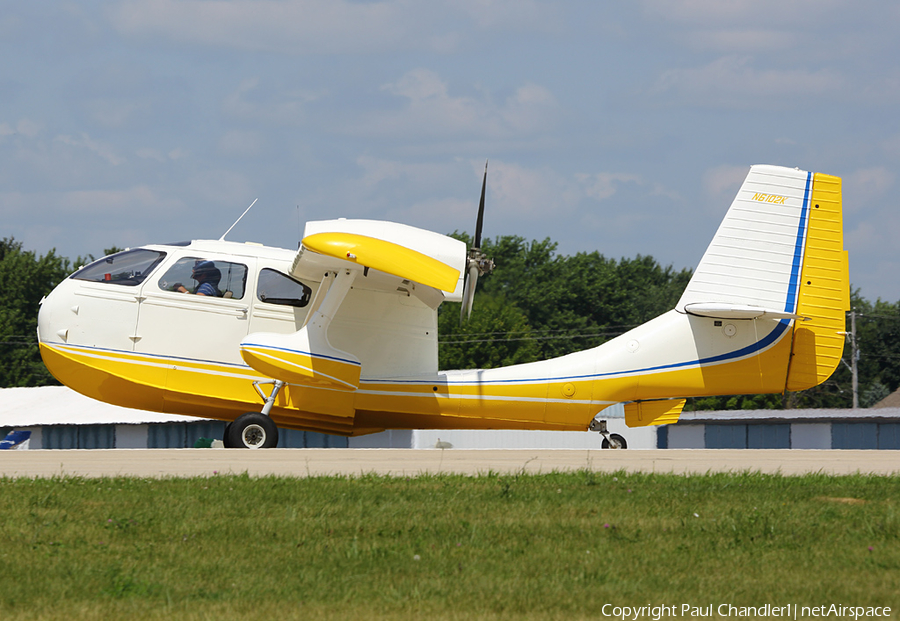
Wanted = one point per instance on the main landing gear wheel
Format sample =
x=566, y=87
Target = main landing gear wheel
x=251, y=430
x=615, y=441
x=610, y=440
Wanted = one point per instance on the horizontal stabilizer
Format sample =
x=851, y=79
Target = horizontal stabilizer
x=645, y=413
x=733, y=311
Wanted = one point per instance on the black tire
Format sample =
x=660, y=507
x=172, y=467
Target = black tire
x=225, y=440
x=251, y=430
x=618, y=442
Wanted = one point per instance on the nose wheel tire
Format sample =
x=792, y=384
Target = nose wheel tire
x=251, y=430
x=615, y=442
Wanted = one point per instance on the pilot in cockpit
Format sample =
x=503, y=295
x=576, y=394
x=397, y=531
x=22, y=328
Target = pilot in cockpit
x=207, y=276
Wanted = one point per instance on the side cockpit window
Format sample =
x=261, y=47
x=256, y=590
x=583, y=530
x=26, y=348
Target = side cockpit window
x=274, y=287
x=127, y=268
x=206, y=277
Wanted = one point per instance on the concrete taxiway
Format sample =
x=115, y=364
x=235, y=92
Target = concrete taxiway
x=411, y=462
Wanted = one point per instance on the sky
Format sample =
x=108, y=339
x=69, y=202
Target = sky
x=619, y=127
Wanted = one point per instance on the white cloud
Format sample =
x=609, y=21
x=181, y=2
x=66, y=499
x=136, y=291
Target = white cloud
x=733, y=82
x=431, y=110
x=250, y=102
x=113, y=113
x=723, y=182
x=23, y=127
x=529, y=109
x=149, y=153
x=225, y=188
x=267, y=25
x=419, y=175
x=29, y=128
x=741, y=40
x=443, y=196
x=86, y=203
x=510, y=13
x=520, y=192
x=601, y=186
x=100, y=149
x=237, y=143
x=327, y=26
x=873, y=262
x=874, y=181
x=752, y=12
x=865, y=189
x=109, y=201
x=442, y=215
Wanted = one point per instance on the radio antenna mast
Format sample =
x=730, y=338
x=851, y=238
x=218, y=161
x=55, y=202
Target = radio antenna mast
x=238, y=220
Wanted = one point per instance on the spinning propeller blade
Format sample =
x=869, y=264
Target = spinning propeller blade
x=468, y=293
x=480, y=221
x=476, y=263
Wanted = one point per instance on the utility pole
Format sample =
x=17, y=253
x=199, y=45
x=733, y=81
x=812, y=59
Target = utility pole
x=854, y=357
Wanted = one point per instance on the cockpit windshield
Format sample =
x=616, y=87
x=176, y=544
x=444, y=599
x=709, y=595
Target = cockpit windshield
x=127, y=268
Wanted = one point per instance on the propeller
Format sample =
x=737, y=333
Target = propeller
x=477, y=263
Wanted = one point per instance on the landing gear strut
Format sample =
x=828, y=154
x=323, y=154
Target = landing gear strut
x=255, y=429
x=610, y=440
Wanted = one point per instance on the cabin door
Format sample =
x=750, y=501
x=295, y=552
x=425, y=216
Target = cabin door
x=205, y=325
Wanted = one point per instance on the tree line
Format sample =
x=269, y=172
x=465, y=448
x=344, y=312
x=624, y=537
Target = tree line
x=537, y=304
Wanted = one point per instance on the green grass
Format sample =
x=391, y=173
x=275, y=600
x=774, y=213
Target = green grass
x=552, y=546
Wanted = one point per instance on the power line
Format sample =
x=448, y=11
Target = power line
x=531, y=338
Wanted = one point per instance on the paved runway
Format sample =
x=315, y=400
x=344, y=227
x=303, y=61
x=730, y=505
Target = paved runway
x=412, y=462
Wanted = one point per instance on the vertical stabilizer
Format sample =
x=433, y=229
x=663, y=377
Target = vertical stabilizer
x=755, y=257
x=779, y=253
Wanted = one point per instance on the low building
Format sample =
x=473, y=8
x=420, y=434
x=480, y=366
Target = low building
x=60, y=418
x=787, y=429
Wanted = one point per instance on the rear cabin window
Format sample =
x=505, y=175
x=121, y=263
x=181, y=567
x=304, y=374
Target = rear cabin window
x=127, y=268
x=221, y=279
x=274, y=287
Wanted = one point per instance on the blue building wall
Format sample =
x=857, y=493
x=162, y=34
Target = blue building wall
x=867, y=435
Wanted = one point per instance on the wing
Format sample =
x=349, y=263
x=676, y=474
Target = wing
x=394, y=256
x=379, y=257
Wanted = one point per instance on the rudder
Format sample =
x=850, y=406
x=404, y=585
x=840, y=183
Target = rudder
x=824, y=291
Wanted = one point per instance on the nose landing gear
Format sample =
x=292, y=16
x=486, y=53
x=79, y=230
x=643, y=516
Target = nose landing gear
x=610, y=440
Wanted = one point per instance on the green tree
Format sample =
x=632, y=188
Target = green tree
x=878, y=335
x=496, y=335
x=25, y=279
x=569, y=303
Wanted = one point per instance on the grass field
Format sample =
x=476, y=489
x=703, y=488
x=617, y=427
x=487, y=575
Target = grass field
x=551, y=546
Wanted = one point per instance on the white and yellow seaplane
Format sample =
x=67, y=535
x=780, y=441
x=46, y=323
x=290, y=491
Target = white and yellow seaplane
x=340, y=336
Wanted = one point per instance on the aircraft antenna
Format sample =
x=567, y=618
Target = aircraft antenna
x=299, y=229
x=238, y=220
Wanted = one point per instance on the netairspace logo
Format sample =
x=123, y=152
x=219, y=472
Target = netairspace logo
x=789, y=611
